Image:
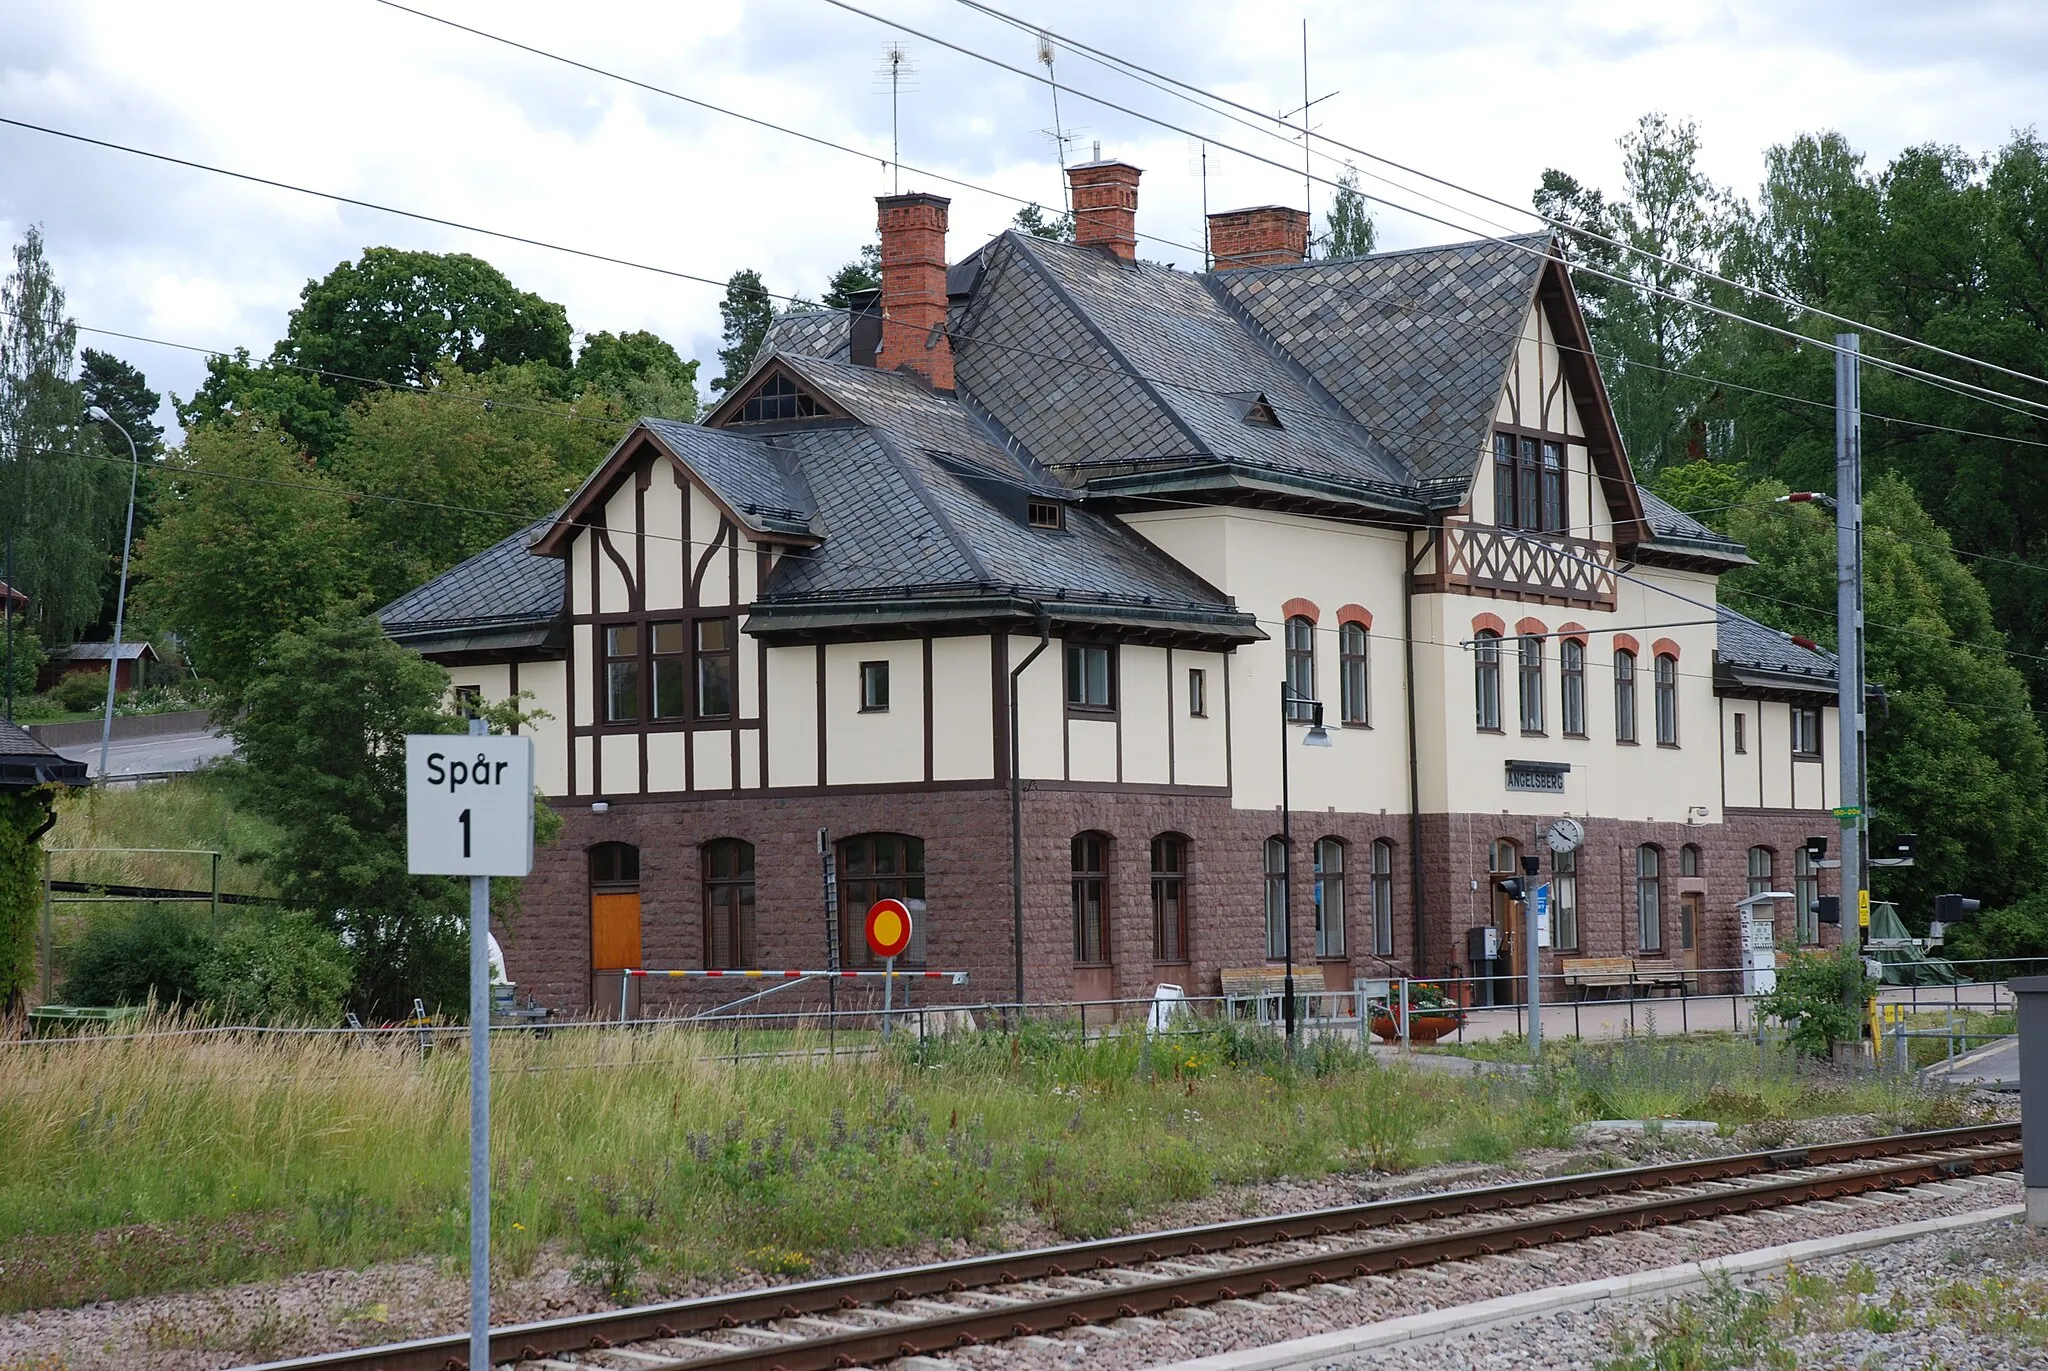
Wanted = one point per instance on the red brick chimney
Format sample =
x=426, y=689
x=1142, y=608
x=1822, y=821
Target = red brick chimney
x=914, y=287
x=1265, y=236
x=1106, y=206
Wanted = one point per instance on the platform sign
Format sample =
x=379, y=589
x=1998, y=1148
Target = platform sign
x=888, y=929
x=1541, y=906
x=468, y=805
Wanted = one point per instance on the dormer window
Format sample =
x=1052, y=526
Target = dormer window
x=1045, y=514
x=1257, y=410
x=778, y=398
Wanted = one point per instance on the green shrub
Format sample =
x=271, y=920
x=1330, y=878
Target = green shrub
x=79, y=691
x=132, y=956
x=28, y=660
x=276, y=968
x=1813, y=998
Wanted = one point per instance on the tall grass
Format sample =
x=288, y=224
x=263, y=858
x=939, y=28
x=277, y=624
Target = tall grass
x=196, y=811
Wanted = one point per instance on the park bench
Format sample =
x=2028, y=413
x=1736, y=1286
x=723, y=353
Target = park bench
x=1598, y=973
x=1253, y=991
x=1659, y=974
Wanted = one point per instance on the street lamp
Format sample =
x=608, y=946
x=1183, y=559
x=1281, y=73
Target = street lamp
x=1293, y=705
x=99, y=415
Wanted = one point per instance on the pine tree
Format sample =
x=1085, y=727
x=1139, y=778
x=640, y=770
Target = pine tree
x=748, y=313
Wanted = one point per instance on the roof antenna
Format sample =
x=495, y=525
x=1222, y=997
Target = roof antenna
x=1058, y=133
x=897, y=66
x=1198, y=165
x=1308, y=180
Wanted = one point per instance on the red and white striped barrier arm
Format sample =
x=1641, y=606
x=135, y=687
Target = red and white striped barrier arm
x=955, y=977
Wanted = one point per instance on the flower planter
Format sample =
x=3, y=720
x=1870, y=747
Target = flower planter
x=1424, y=1025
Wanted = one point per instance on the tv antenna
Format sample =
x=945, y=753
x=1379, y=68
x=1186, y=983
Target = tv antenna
x=1198, y=165
x=900, y=71
x=1308, y=180
x=1058, y=133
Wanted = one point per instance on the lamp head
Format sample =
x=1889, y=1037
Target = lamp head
x=98, y=415
x=1317, y=735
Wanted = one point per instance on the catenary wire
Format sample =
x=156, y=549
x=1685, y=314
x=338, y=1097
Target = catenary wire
x=1585, y=268
x=1716, y=278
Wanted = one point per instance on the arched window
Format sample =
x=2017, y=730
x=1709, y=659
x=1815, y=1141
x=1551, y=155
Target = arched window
x=1301, y=666
x=876, y=866
x=1169, y=898
x=1329, y=897
x=1529, y=652
x=1805, y=890
x=1091, y=899
x=1689, y=860
x=1383, y=897
x=1624, y=696
x=729, y=904
x=1353, y=645
x=1649, y=898
x=1762, y=869
x=1667, y=699
x=1571, y=673
x=1276, y=899
x=1486, y=679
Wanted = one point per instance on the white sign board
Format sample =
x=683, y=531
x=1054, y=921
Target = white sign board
x=1543, y=916
x=468, y=805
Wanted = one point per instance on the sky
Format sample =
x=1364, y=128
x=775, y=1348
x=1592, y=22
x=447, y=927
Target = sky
x=363, y=99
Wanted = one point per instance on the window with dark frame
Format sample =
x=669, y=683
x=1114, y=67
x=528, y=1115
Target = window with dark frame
x=1301, y=668
x=714, y=668
x=1564, y=900
x=1529, y=655
x=1649, y=898
x=876, y=866
x=1806, y=732
x=1624, y=696
x=622, y=673
x=1762, y=867
x=1276, y=899
x=1741, y=731
x=1382, y=898
x=1689, y=860
x=1091, y=682
x=780, y=398
x=1091, y=899
x=1529, y=485
x=1666, y=687
x=1354, y=680
x=1198, y=693
x=1486, y=680
x=1329, y=898
x=1044, y=513
x=874, y=687
x=1805, y=890
x=1571, y=676
x=669, y=645
x=1169, y=898
x=469, y=700
x=729, y=905
x=614, y=865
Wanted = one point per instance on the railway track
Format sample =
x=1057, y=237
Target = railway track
x=859, y=1320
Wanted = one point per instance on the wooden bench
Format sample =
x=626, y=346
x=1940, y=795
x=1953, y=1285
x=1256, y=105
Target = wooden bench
x=1656, y=973
x=1256, y=989
x=1598, y=973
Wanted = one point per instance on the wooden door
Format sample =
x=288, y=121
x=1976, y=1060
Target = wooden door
x=614, y=945
x=1689, y=933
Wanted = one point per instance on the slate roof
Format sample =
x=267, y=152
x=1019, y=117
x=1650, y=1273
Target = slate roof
x=1674, y=530
x=1750, y=654
x=768, y=496
x=502, y=588
x=813, y=333
x=1412, y=344
x=26, y=763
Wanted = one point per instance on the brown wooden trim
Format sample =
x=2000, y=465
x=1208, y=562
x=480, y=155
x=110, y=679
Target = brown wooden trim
x=721, y=415
x=697, y=577
x=604, y=540
x=512, y=684
x=928, y=707
x=689, y=499
x=822, y=772
x=1172, y=720
x=710, y=725
x=999, y=667
x=1229, y=739
x=761, y=563
x=641, y=476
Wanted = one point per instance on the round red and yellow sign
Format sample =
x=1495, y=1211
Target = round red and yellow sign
x=888, y=928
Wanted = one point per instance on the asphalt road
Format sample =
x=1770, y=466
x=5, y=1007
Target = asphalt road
x=145, y=756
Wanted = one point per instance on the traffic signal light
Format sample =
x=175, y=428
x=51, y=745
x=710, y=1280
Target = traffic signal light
x=1514, y=887
x=1949, y=908
x=1828, y=909
x=1817, y=848
x=1902, y=846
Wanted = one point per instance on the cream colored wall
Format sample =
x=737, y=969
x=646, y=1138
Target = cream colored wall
x=1201, y=747
x=1146, y=708
x=1091, y=750
x=717, y=586
x=621, y=521
x=963, y=709
x=548, y=684
x=1768, y=776
x=1041, y=710
x=882, y=747
x=1741, y=780
x=621, y=756
x=1536, y=396
x=668, y=555
x=1263, y=559
x=792, y=714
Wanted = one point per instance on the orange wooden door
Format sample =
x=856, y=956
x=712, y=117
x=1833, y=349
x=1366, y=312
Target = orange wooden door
x=614, y=931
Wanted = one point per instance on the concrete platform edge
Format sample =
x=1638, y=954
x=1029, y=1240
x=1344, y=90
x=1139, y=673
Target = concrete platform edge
x=1471, y=1318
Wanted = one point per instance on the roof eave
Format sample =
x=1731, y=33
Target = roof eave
x=1749, y=679
x=1213, y=477
x=884, y=614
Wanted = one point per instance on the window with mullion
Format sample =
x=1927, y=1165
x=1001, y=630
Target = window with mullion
x=1529, y=510
x=1649, y=898
x=1571, y=674
x=1554, y=512
x=1529, y=651
x=1091, y=679
x=1383, y=898
x=729, y=904
x=1169, y=898
x=1329, y=897
x=1486, y=680
x=714, y=668
x=1504, y=480
x=1352, y=645
x=1666, y=687
x=669, y=644
x=622, y=673
x=1564, y=899
x=875, y=866
x=1091, y=899
x=1805, y=890
x=1276, y=899
x=1624, y=697
x=1301, y=667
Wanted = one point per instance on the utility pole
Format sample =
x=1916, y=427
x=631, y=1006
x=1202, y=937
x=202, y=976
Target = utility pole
x=1849, y=634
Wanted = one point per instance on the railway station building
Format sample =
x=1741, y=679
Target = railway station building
x=1144, y=517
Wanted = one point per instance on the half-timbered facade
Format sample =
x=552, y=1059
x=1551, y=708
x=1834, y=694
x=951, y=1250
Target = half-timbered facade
x=1106, y=509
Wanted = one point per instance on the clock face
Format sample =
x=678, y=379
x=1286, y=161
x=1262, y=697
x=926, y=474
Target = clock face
x=1565, y=835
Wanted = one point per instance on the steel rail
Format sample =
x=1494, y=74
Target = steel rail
x=831, y=1295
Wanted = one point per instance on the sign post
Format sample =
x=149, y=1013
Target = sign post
x=469, y=812
x=888, y=930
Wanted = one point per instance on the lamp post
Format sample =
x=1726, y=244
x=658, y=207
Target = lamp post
x=1317, y=736
x=100, y=415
